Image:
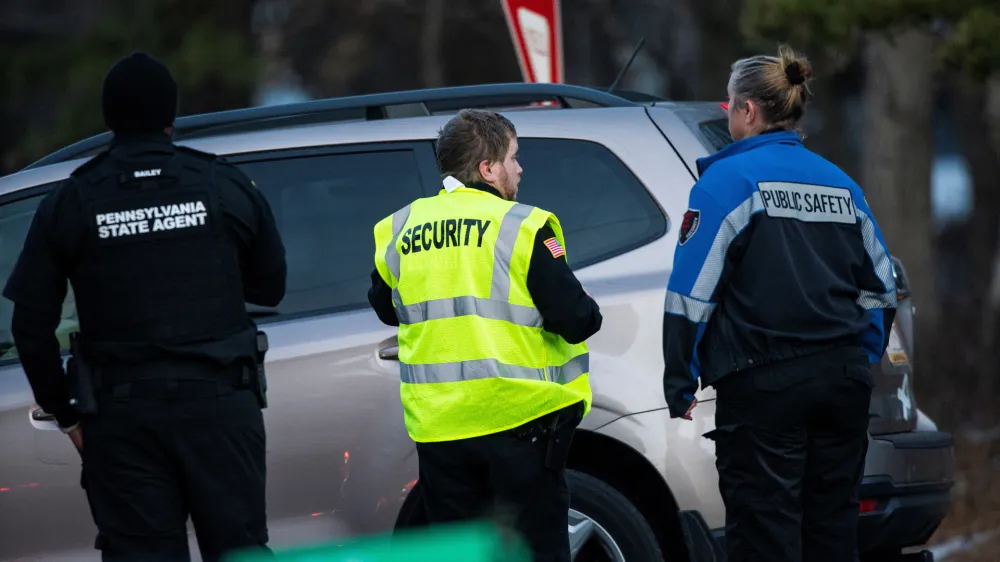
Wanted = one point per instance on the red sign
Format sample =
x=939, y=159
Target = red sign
x=536, y=28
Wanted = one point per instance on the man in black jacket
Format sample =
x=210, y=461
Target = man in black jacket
x=163, y=247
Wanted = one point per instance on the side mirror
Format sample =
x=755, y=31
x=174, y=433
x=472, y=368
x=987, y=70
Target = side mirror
x=902, y=279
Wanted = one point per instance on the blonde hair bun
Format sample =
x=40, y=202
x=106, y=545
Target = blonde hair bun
x=778, y=85
x=796, y=68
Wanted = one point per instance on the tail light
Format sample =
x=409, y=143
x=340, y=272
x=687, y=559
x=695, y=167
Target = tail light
x=868, y=506
x=902, y=279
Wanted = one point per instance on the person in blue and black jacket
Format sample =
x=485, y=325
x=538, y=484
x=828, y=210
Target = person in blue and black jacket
x=781, y=297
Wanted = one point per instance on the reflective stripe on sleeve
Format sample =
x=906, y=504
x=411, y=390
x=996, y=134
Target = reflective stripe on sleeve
x=883, y=268
x=693, y=309
x=734, y=223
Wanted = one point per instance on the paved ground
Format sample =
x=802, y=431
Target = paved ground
x=286, y=533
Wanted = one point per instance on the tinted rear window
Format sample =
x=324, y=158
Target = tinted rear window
x=715, y=134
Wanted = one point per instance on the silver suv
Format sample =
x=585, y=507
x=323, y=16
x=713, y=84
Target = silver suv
x=616, y=170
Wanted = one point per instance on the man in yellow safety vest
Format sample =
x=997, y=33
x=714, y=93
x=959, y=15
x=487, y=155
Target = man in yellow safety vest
x=492, y=321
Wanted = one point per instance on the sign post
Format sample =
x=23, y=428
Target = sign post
x=536, y=29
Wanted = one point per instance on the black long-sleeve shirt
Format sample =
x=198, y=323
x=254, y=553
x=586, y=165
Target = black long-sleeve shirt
x=34, y=330
x=38, y=283
x=566, y=309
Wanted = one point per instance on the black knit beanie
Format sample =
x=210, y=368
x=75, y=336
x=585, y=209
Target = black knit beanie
x=140, y=95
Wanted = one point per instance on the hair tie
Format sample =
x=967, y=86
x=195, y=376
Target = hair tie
x=794, y=73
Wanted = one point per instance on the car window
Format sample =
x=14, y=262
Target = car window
x=15, y=219
x=326, y=207
x=707, y=121
x=603, y=208
x=715, y=134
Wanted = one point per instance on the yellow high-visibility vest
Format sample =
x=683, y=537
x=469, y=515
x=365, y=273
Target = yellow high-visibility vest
x=474, y=357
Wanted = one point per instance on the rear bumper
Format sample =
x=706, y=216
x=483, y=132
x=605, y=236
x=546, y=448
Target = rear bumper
x=905, y=515
x=909, y=477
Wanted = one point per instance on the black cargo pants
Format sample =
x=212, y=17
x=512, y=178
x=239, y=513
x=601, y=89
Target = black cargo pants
x=791, y=440
x=161, y=451
x=516, y=478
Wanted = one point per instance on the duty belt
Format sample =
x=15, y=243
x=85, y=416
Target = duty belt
x=550, y=422
x=172, y=378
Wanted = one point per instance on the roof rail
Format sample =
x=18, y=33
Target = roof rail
x=363, y=108
x=632, y=95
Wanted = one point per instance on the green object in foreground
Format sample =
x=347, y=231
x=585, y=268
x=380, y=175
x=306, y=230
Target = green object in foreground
x=470, y=542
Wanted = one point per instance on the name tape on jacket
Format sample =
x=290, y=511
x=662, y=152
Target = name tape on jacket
x=157, y=218
x=807, y=203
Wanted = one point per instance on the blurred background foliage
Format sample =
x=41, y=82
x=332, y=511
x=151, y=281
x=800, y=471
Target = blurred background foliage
x=209, y=47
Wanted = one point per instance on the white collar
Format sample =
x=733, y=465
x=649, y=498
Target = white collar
x=451, y=184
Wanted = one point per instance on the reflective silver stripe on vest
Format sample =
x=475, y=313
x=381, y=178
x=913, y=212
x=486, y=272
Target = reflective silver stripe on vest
x=391, y=253
x=466, y=306
x=491, y=368
x=571, y=370
x=496, y=307
x=503, y=252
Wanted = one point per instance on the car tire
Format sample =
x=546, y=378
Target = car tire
x=607, y=507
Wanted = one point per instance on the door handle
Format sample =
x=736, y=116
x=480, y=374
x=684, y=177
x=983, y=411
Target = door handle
x=390, y=353
x=39, y=414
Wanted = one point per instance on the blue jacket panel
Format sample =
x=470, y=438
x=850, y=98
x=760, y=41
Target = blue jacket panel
x=778, y=256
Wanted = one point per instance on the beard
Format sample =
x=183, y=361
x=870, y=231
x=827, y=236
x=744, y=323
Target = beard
x=507, y=187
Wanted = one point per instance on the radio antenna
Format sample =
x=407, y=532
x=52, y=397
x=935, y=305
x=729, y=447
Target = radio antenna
x=621, y=74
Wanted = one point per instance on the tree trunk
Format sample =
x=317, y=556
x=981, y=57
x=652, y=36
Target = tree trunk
x=978, y=120
x=684, y=45
x=430, y=47
x=896, y=161
x=993, y=110
x=721, y=45
x=991, y=340
x=825, y=121
x=973, y=256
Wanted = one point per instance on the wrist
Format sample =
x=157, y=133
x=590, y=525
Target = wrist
x=69, y=429
x=67, y=419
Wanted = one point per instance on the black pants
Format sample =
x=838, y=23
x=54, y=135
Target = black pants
x=791, y=440
x=161, y=452
x=516, y=478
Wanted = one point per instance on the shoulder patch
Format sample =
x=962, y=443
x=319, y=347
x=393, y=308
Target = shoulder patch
x=554, y=248
x=689, y=225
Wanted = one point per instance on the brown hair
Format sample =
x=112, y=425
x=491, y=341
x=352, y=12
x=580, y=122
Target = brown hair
x=469, y=138
x=778, y=85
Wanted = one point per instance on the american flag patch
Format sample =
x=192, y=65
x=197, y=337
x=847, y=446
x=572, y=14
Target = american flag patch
x=553, y=245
